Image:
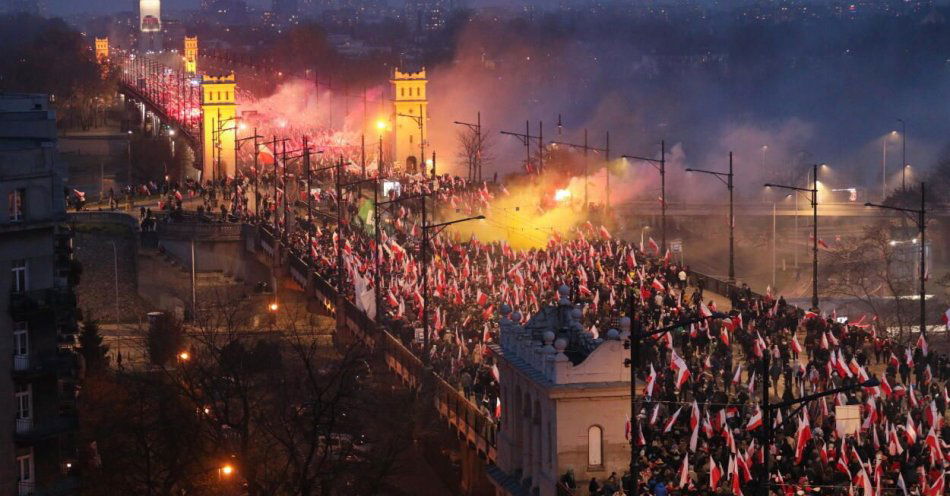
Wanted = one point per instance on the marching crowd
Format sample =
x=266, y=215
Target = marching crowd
x=700, y=424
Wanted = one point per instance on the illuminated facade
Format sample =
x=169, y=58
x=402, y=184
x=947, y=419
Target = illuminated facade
x=410, y=113
x=102, y=49
x=150, y=25
x=219, y=126
x=191, y=55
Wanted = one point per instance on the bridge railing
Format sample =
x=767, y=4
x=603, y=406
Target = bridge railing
x=472, y=424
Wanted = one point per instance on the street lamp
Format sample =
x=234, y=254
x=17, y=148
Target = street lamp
x=633, y=344
x=814, y=205
x=420, y=121
x=662, y=169
x=803, y=401
x=437, y=228
x=921, y=222
x=903, y=154
x=475, y=168
x=732, y=219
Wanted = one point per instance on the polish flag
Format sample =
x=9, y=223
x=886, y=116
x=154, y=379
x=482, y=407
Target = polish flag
x=885, y=387
x=934, y=443
x=755, y=422
x=842, y=464
x=931, y=414
x=810, y=315
x=694, y=415
x=684, y=471
x=265, y=156
x=894, y=361
x=631, y=260
x=910, y=431
x=922, y=344
x=937, y=488
x=715, y=473
x=682, y=375
x=909, y=357
x=945, y=318
x=487, y=314
x=901, y=484
x=803, y=436
x=736, y=378
x=651, y=381
x=707, y=427
x=655, y=247
x=796, y=348
x=604, y=233
x=658, y=285
x=724, y=334
x=704, y=310
x=671, y=421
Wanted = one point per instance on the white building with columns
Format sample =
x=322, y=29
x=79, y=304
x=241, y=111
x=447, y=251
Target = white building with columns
x=565, y=400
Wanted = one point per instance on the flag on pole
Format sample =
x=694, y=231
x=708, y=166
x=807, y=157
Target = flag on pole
x=671, y=421
x=684, y=471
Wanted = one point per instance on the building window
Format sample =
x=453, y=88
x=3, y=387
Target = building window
x=595, y=446
x=25, y=481
x=21, y=339
x=15, y=204
x=402, y=92
x=20, y=276
x=24, y=402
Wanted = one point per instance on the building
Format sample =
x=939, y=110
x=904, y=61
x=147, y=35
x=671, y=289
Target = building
x=410, y=115
x=150, y=26
x=38, y=367
x=219, y=127
x=565, y=400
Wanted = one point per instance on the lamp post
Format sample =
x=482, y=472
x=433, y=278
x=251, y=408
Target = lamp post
x=903, y=154
x=803, y=401
x=525, y=139
x=659, y=165
x=633, y=344
x=420, y=121
x=921, y=222
x=814, y=206
x=732, y=219
x=426, y=228
x=475, y=168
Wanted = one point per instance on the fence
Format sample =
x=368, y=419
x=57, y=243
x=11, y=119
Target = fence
x=471, y=424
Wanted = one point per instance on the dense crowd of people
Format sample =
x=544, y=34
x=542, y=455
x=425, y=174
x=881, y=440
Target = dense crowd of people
x=700, y=423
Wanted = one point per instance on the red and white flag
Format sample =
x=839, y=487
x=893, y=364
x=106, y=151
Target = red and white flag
x=796, y=348
x=715, y=473
x=755, y=422
x=684, y=471
x=651, y=381
x=922, y=344
x=655, y=247
x=802, y=437
x=671, y=421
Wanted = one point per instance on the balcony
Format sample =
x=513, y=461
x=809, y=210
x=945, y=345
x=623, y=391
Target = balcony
x=34, y=430
x=28, y=304
x=26, y=488
x=24, y=425
x=21, y=363
x=61, y=362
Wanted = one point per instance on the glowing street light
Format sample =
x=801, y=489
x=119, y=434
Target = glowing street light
x=272, y=307
x=184, y=356
x=814, y=204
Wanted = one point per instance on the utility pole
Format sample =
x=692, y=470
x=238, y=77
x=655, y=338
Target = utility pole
x=587, y=148
x=921, y=221
x=732, y=219
x=526, y=141
x=903, y=154
x=660, y=166
x=814, y=205
x=475, y=166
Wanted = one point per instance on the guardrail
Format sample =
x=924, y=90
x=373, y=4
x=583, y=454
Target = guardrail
x=217, y=231
x=478, y=429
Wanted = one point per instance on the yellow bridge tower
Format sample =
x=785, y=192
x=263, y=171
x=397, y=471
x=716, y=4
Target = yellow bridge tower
x=191, y=55
x=410, y=113
x=219, y=126
x=102, y=50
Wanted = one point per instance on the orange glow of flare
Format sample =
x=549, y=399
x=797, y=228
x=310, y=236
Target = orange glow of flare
x=562, y=195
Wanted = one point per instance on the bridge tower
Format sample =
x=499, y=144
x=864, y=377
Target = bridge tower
x=219, y=126
x=410, y=113
x=102, y=50
x=191, y=55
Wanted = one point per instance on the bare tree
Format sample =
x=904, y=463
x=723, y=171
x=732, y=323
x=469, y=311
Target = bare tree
x=869, y=269
x=475, y=150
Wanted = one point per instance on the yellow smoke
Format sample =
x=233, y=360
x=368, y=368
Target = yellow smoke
x=519, y=217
